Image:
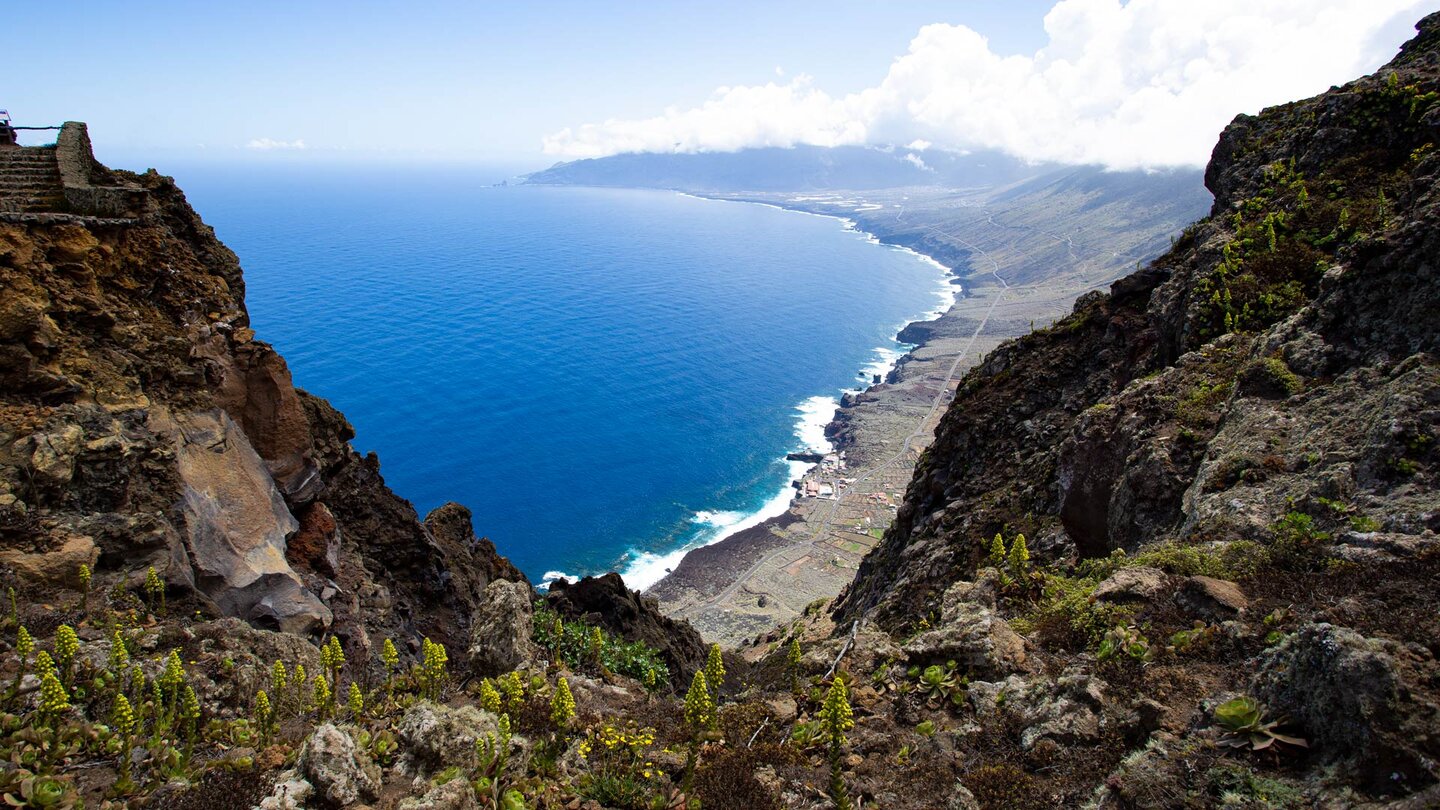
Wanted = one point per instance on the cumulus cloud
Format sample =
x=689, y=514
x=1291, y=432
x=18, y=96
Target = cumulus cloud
x=1147, y=83
x=270, y=144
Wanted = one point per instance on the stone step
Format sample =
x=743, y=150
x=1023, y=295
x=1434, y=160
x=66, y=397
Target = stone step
x=28, y=160
x=32, y=191
x=39, y=182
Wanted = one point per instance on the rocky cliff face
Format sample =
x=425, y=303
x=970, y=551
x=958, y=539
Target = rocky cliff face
x=142, y=425
x=1262, y=404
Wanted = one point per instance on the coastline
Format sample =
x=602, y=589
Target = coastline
x=647, y=570
x=860, y=426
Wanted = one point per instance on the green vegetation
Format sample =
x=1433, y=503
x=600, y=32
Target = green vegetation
x=940, y=684
x=562, y=704
x=1124, y=642
x=836, y=718
x=1065, y=613
x=1297, y=544
x=714, y=670
x=1239, y=787
x=1245, y=726
x=619, y=772
x=591, y=649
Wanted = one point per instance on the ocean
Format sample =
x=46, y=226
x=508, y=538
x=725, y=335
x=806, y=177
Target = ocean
x=605, y=377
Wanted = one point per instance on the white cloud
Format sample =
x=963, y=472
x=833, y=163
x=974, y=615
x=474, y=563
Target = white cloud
x=1147, y=83
x=270, y=144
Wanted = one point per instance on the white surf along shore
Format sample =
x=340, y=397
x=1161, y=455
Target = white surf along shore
x=641, y=569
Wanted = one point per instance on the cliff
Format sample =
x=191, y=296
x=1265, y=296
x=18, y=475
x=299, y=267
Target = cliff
x=1236, y=444
x=143, y=425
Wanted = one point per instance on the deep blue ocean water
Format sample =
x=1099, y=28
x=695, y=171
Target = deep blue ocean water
x=603, y=376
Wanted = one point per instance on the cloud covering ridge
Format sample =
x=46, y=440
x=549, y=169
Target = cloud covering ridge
x=1148, y=83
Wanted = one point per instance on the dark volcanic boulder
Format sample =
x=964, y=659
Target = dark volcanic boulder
x=606, y=601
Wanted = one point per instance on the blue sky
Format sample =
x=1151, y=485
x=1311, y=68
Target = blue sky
x=1140, y=82
x=455, y=79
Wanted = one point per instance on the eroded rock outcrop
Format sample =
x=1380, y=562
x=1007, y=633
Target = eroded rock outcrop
x=143, y=425
x=605, y=601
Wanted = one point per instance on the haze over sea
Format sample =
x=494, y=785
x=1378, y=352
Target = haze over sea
x=605, y=377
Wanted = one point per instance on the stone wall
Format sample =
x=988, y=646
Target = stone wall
x=89, y=187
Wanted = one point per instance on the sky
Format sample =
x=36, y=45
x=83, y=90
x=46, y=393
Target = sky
x=1143, y=83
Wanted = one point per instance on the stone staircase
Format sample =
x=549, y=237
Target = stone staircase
x=30, y=180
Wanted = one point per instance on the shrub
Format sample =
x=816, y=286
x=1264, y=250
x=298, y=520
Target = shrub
x=1066, y=613
x=1297, y=543
x=575, y=645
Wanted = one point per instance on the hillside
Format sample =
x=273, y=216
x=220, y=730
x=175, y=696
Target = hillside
x=1224, y=469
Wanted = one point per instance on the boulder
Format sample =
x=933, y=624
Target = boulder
x=236, y=524
x=873, y=648
x=1360, y=701
x=1210, y=598
x=1069, y=712
x=55, y=566
x=1137, y=584
x=455, y=794
x=52, y=456
x=988, y=698
x=251, y=653
x=961, y=798
x=340, y=771
x=290, y=793
x=970, y=633
x=500, y=636
x=436, y=737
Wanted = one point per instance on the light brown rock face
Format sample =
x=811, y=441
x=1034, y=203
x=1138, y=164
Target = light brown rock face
x=54, y=566
x=236, y=525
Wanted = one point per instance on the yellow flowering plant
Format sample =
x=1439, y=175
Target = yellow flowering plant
x=619, y=768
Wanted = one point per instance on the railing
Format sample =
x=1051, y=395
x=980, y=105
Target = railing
x=10, y=136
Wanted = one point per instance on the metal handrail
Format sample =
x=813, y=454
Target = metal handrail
x=37, y=127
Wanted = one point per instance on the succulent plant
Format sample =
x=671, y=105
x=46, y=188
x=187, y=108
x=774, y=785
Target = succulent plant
x=940, y=683
x=53, y=698
x=27, y=789
x=489, y=697
x=119, y=654
x=264, y=713
x=1124, y=641
x=355, y=701
x=174, y=673
x=714, y=671
x=562, y=703
x=1244, y=722
x=322, y=695
x=699, y=706
x=67, y=644
x=154, y=591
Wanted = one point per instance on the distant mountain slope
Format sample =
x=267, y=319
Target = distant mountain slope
x=800, y=168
